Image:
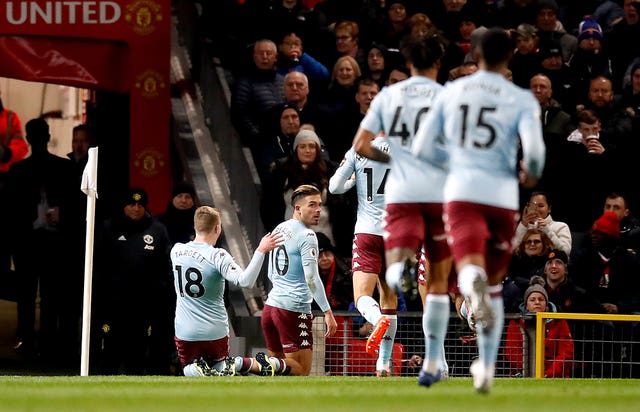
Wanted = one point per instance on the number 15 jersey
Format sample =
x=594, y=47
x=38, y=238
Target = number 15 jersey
x=398, y=110
x=483, y=119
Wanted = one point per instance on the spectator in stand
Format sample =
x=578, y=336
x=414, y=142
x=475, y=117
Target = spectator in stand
x=630, y=99
x=563, y=292
x=395, y=23
x=349, y=119
x=583, y=178
x=549, y=27
x=178, y=217
x=616, y=135
x=419, y=25
x=459, y=46
x=629, y=224
x=464, y=69
x=537, y=215
x=525, y=62
x=296, y=91
x=255, y=94
x=607, y=270
x=558, y=343
x=347, y=41
x=397, y=74
x=528, y=260
x=279, y=145
x=556, y=126
x=335, y=275
x=375, y=68
x=134, y=247
x=292, y=57
x=304, y=166
x=619, y=44
x=552, y=65
x=590, y=58
x=343, y=82
x=41, y=188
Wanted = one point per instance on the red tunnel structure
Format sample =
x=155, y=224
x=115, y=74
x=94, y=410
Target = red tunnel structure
x=112, y=45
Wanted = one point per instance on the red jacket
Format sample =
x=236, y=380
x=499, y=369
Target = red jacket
x=558, y=347
x=11, y=136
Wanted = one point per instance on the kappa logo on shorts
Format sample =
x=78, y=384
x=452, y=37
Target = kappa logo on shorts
x=302, y=325
x=305, y=343
x=304, y=333
x=302, y=316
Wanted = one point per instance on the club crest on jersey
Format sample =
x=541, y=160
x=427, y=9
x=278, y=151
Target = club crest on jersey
x=148, y=239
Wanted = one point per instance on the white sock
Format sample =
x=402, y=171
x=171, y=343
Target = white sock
x=386, y=344
x=466, y=277
x=435, y=319
x=488, y=344
x=393, y=276
x=190, y=370
x=369, y=309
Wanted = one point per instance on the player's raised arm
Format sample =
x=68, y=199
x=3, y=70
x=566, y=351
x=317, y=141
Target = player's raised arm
x=362, y=145
x=343, y=179
x=533, y=147
x=247, y=278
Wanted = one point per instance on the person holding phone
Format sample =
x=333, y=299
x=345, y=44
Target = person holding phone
x=537, y=215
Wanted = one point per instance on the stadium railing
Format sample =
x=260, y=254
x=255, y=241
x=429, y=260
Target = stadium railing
x=603, y=348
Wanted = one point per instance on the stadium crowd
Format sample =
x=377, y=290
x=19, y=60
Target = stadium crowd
x=573, y=57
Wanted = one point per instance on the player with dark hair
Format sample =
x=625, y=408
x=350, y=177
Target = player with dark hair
x=482, y=120
x=367, y=261
x=413, y=211
x=201, y=323
x=293, y=270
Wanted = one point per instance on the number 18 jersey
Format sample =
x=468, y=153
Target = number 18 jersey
x=398, y=110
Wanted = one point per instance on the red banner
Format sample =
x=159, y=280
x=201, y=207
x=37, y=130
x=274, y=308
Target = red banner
x=119, y=45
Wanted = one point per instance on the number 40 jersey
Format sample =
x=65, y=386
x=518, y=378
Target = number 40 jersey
x=398, y=111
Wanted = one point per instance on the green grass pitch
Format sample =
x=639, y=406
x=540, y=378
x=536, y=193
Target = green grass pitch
x=157, y=394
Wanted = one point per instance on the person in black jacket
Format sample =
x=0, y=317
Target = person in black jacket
x=40, y=188
x=178, y=217
x=134, y=290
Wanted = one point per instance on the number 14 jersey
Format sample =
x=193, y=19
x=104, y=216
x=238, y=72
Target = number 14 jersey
x=398, y=110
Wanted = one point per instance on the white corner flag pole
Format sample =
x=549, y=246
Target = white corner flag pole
x=90, y=188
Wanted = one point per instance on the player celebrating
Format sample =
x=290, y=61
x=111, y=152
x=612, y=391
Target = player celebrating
x=413, y=193
x=480, y=118
x=201, y=322
x=293, y=270
x=367, y=262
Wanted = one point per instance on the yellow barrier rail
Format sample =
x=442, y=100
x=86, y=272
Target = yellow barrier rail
x=540, y=329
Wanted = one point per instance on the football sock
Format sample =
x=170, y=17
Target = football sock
x=243, y=365
x=444, y=366
x=280, y=365
x=190, y=370
x=369, y=309
x=386, y=345
x=393, y=276
x=488, y=343
x=466, y=277
x=435, y=319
